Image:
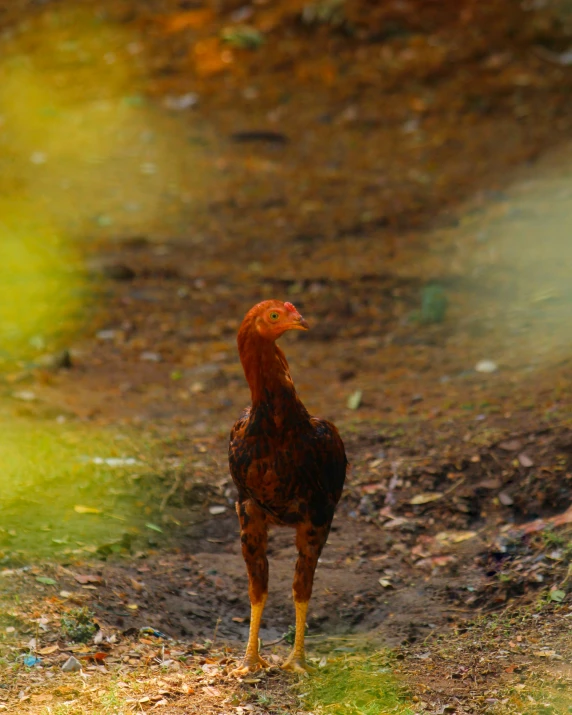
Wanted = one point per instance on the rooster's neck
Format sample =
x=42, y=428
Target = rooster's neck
x=267, y=373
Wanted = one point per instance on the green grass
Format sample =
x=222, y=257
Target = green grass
x=537, y=699
x=357, y=684
x=56, y=501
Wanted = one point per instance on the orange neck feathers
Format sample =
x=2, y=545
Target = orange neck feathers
x=264, y=364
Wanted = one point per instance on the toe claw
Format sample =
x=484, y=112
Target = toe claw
x=250, y=665
x=298, y=665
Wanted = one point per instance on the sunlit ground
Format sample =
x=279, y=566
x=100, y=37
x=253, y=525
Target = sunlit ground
x=68, y=491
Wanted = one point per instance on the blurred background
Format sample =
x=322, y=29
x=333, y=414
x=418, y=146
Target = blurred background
x=400, y=170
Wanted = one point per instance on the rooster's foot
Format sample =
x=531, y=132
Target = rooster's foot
x=296, y=664
x=250, y=665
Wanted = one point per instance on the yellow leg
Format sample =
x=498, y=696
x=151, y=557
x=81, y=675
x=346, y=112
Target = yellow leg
x=252, y=660
x=296, y=661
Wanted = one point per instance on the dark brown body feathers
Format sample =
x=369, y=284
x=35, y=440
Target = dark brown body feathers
x=289, y=467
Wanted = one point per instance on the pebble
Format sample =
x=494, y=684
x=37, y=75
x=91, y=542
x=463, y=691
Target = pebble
x=72, y=665
x=217, y=509
x=183, y=101
x=486, y=366
x=105, y=334
x=150, y=357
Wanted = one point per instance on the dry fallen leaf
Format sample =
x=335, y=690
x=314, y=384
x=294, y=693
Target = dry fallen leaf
x=190, y=19
x=425, y=498
x=209, y=690
x=512, y=445
x=433, y=561
x=80, y=509
x=354, y=400
x=455, y=537
x=87, y=578
x=525, y=460
x=136, y=585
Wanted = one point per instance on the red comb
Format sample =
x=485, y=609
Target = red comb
x=290, y=307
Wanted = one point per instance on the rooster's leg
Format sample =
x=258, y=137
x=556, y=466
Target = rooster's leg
x=309, y=541
x=254, y=538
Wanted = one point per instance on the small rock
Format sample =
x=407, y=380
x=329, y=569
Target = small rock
x=486, y=366
x=72, y=665
x=183, y=101
x=505, y=499
x=525, y=460
x=105, y=334
x=214, y=510
x=149, y=356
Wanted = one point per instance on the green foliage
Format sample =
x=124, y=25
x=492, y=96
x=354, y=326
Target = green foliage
x=324, y=12
x=552, y=539
x=541, y=700
x=434, y=304
x=243, y=36
x=264, y=699
x=78, y=625
x=290, y=634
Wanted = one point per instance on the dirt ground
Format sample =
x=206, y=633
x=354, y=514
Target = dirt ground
x=347, y=165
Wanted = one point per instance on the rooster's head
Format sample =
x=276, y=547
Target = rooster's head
x=272, y=318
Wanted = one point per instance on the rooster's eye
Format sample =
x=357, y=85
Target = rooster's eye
x=274, y=315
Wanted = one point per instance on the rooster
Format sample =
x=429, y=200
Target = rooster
x=289, y=469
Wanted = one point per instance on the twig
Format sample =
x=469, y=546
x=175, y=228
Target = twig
x=216, y=629
x=455, y=485
x=278, y=640
x=562, y=59
x=389, y=497
x=172, y=490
